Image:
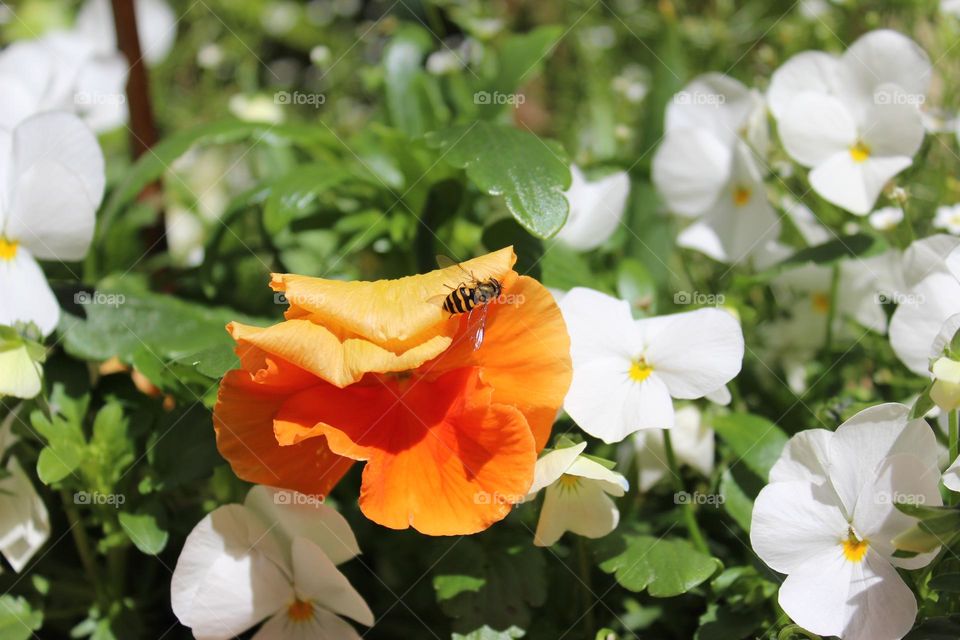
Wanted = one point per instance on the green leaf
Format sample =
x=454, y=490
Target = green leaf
x=451, y=586
x=523, y=55
x=946, y=582
x=296, y=194
x=182, y=448
x=152, y=165
x=736, y=502
x=665, y=567
x=481, y=586
x=754, y=440
x=531, y=174
x=167, y=327
x=937, y=526
x=636, y=286
x=860, y=244
x=505, y=232
x=938, y=628
x=213, y=362
x=110, y=451
x=145, y=531
x=18, y=620
x=486, y=633
x=55, y=464
x=408, y=101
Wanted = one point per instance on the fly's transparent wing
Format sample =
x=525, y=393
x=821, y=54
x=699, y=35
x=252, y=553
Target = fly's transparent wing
x=437, y=300
x=481, y=328
x=445, y=261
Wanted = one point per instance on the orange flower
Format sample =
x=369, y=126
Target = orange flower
x=378, y=371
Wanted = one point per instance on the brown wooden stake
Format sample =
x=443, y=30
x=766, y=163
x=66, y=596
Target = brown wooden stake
x=143, y=127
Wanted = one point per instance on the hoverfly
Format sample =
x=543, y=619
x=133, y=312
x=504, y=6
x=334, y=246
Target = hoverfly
x=468, y=296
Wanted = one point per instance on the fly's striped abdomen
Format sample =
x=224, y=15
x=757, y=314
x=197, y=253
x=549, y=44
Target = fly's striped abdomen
x=460, y=300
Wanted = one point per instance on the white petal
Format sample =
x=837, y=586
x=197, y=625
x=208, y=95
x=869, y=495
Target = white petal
x=703, y=237
x=51, y=213
x=610, y=481
x=951, y=477
x=317, y=579
x=690, y=167
x=919, y=318
x=19, y=374
x=24, y=523
x=860, y=445
x=712, y=102
x=892, y=130
x=697, y=352
x=947, y=332
x=222, y=585
x=596, y=209
x=814, y=71
x=19, y=99
x=853, y=185
x=650, y=457
x=933, y=253
x=552, y=465
x=815, y=127
x=100, y=97
x=881, y=57
x=299, y=515
x=900, y=478
x=831, y=596
x=607, y=404
x=720, y=396
x=585, y=510
x=25, y=295
x=693, y=441
x=62, y=138
x=804, y=458
x=794, y=522
x=600, y=326
x=323, y=626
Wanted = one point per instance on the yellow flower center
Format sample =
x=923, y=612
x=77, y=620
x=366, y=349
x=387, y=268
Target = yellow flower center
x=8, y=249
x=854, y=549
x=568, y=482
x=859, y=152
x=741, y=196
x=640, y=370
x=820, y=302
x=300, y=611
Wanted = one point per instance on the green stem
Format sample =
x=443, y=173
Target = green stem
x=954, y=434
x=689, y=516
x=80, y=538
x=586, y=591
x=832, y=309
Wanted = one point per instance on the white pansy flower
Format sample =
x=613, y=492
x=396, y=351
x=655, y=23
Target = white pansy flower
x=273, y=558
x=948, y=219
x=24, y=522
x=63, y=71
x=596, y=209
x=707, y=167
x=828, y=518
x=931, y=274
x=626, y=371
x=692, y=441
x=52, y=183
x=853, y=119
x=156, y=27
x=886, y=218
x=578, y=495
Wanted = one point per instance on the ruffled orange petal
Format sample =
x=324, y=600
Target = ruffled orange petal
x=525, y=355
x=314, y=349
x=440, y=457
x=243, y=420
x=394, y=314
